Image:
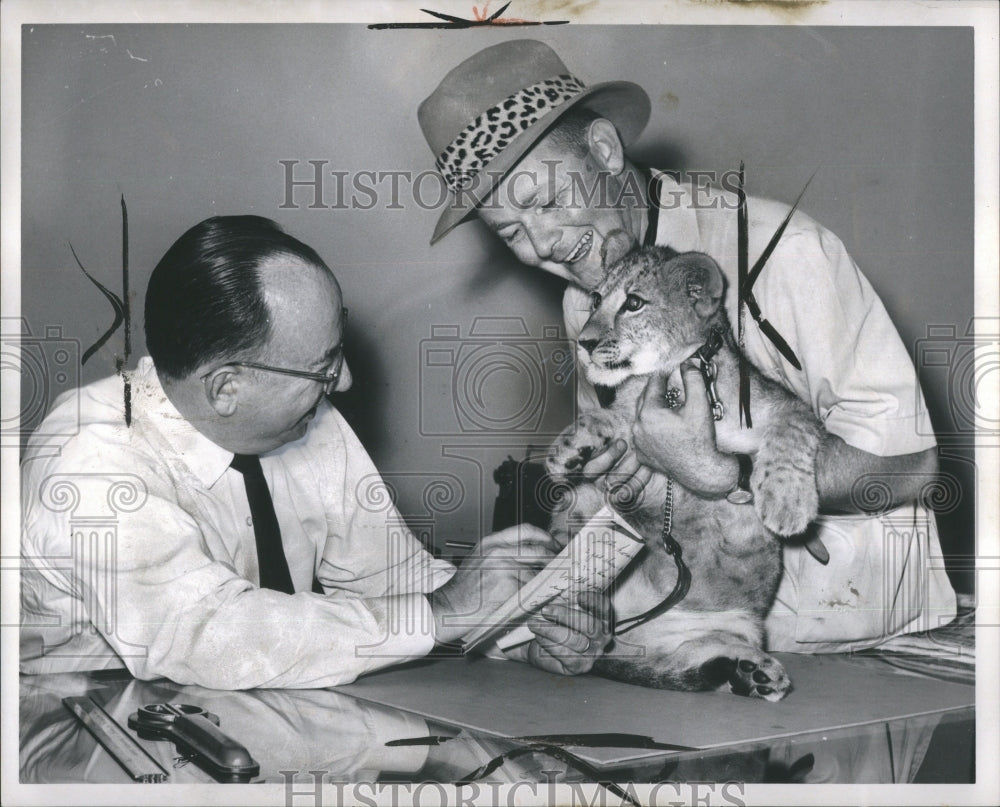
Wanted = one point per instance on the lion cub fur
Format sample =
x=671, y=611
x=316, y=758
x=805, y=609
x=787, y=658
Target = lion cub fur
x=652, y=311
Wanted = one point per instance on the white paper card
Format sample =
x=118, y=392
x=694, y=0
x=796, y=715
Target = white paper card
x=594, y=557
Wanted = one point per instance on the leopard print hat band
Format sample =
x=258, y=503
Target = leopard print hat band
x=492, y=131
x=490, y=110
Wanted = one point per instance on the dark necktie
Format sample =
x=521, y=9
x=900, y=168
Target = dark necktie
x=270, y=556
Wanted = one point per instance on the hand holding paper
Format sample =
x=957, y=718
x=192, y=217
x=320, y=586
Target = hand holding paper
x=595, y=556
x=498, y=567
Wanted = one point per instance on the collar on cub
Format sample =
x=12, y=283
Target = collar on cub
x=713, y=344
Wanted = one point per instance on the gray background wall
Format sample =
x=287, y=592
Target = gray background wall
x=189, y=121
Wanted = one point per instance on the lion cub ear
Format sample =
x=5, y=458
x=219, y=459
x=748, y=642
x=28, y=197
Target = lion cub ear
x=706, y=285
x=615, y=247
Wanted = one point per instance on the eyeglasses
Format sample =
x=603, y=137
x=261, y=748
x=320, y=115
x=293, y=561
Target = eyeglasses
x=328, y=380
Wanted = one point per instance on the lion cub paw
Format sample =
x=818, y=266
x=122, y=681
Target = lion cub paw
x=786, y=499
x=577, y=444
x=758, y=675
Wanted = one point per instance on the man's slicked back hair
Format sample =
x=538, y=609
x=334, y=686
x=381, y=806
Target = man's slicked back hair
x=205, y=300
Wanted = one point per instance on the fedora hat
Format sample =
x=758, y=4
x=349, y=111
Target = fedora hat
x=489, y=111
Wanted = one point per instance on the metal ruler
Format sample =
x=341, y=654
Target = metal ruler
x=119, y=743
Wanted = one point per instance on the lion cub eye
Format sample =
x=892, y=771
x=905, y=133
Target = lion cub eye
x=633, y=303
x=595, y=301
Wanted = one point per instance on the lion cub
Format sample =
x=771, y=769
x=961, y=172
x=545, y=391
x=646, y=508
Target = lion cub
x=653, y=311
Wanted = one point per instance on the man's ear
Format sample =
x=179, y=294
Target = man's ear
x=605, y=146
x=222, y=389
x=706, y=285
x=615, y=247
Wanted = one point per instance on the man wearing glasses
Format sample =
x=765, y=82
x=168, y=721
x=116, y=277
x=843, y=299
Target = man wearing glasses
x=213, y=529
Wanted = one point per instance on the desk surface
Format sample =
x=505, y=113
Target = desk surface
x=345, y=737
x=509, y=700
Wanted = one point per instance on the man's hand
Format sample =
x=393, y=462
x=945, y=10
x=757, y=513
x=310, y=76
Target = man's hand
x=498, y=567
x=569, y=639
x=680, y=441
x=617, y=471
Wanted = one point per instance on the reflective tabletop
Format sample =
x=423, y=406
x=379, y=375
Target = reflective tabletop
x=310, y=733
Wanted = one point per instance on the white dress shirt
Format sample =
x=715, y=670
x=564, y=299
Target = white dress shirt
x=138, y=548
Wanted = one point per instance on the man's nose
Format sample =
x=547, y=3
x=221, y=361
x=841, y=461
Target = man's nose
x=543, y=239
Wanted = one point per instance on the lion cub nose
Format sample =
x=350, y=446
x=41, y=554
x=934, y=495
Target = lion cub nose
x=588, y=344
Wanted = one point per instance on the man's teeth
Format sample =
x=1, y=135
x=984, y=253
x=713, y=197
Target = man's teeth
x=582, y=248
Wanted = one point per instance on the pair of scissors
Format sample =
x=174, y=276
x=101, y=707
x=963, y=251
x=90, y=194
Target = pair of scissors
x=197, y=734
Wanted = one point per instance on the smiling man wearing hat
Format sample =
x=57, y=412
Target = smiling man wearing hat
x=539, y=156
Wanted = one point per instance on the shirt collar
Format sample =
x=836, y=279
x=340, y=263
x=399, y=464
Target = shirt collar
x=677, y=225
x=206, y=460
